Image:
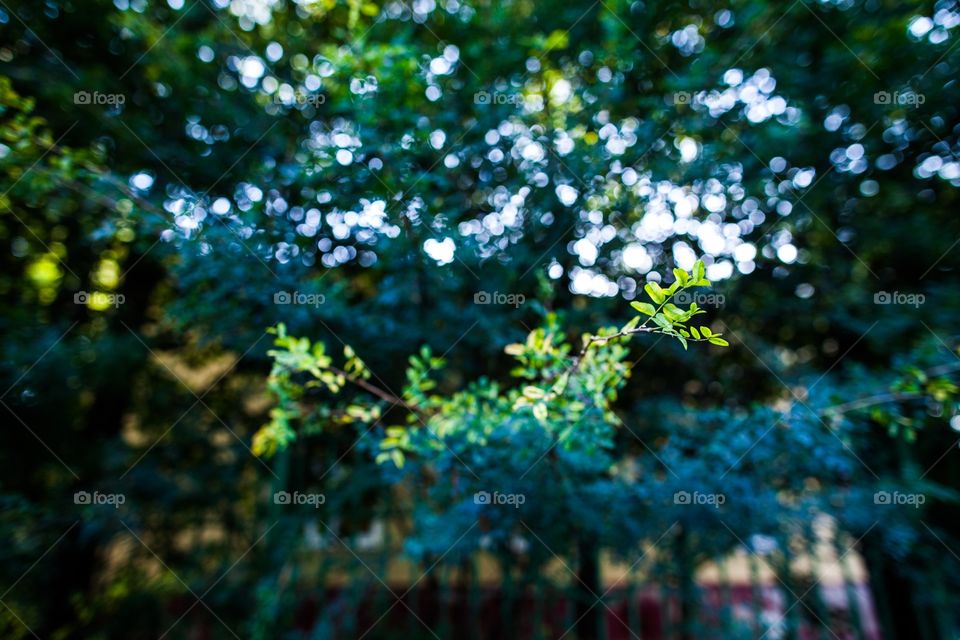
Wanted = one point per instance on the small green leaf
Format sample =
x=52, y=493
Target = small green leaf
x=662, y=321
x=720, y=342
x=682, y=276
x=683, y=341
x=630, y=326
x=534, y=393
x=706, y=332
x=672, y=311
x=644, y=307
x=540, y=411
x=699, y=270
x=513, y=349
x=655, y=292
x=560, y=384
x=695, y=333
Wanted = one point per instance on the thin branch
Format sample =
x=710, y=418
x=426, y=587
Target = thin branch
x=591, y=340
x=853, y=405
x=377, y=391
x=886, y=398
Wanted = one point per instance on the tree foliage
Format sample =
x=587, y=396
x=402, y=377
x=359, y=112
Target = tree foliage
x=462, y=191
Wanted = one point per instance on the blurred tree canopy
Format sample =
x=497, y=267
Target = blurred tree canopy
x=429, y=182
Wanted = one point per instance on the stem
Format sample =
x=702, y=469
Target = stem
x=884, y=398
x=375, y=390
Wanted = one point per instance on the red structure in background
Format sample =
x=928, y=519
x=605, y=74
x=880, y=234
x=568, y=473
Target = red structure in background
x=764, y=611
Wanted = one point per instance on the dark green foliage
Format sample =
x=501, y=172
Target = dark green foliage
x=576, y=154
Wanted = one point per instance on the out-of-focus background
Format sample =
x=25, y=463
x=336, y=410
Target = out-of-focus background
x=418, y=209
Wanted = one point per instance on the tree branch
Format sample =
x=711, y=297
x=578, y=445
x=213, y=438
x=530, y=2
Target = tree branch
x=885, y=398
x=375, y=390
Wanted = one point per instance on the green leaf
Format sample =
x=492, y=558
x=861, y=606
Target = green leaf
x=706, y=332
x=630, y=326
x=683, y=341
x=540, y=411
x=662, y=321
x=560, y=384
x=644, y=307
x=513, y=349
x=682, y=276
x=695, y=333
x=655, y=292
x=699, y=270
x=720, y=342
x=533, y=393
x=557, y=40
x=672, y=311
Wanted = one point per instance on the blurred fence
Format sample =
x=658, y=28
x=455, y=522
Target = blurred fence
x=371, y=590
x=545, y=612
